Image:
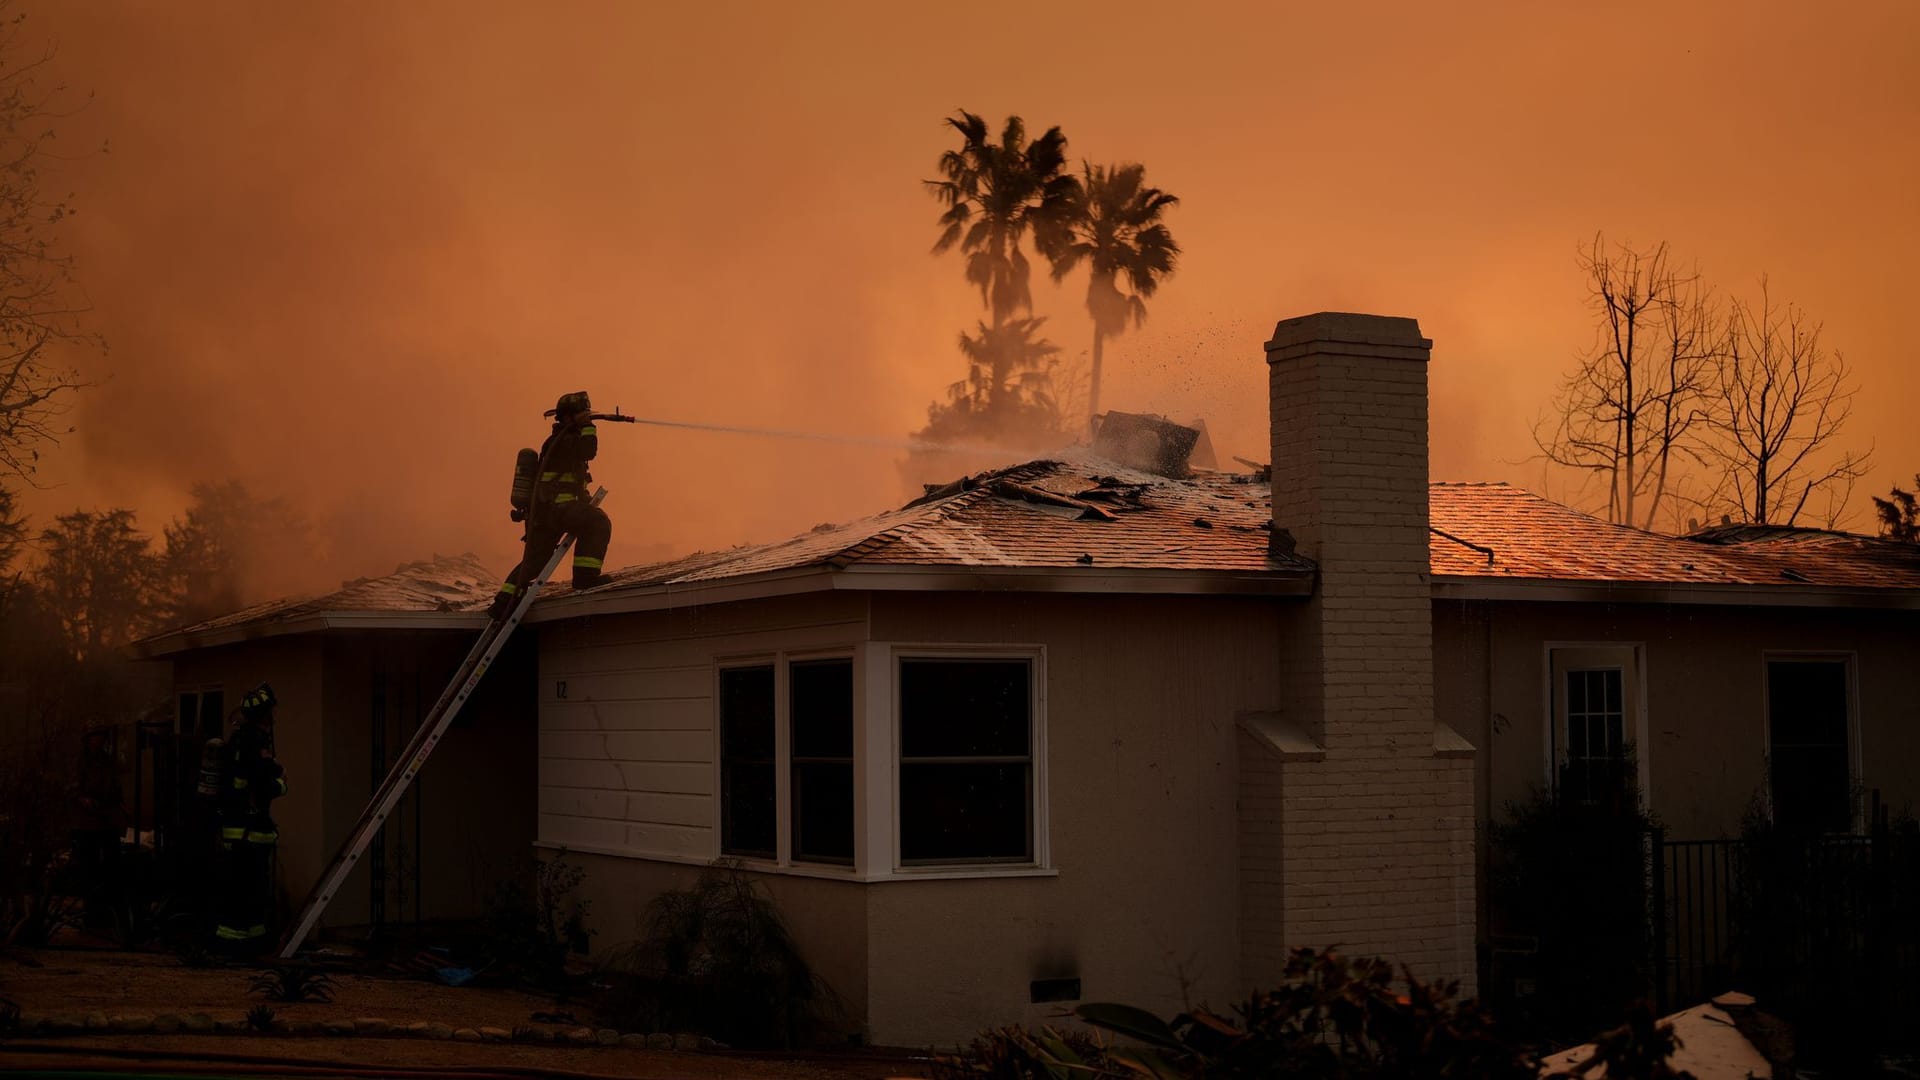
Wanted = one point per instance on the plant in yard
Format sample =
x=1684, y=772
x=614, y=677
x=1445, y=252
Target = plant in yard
x=1568, y=870
x=292, y=983
x=717, y=959
x=260, y=1018
x=531, y=932
x=1012, y=1053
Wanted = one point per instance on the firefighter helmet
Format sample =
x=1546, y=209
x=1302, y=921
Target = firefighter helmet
x=258, y=702
x=576, y=402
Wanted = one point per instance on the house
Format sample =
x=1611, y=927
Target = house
x=354, y=672
x=1072, y=730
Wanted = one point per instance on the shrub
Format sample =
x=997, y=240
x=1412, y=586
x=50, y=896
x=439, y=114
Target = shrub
x=1572, y=875
x=1329, y=1019
x=716, y=959
x=260, y=1018
x=530, y=933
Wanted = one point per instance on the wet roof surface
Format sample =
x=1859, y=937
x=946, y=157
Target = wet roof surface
x=1091, y=512
x=1501, y=531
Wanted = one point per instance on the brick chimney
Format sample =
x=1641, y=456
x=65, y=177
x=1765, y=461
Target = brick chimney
x=1356, y=809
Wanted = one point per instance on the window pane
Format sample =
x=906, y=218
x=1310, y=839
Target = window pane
x=746, y=713
x=213, y=709
x=1807, y=703
x=748, y=820
x=1576, y=691
x=822, y=692
x=1810, y=789
x=1810, y=765
x=965, y=708
x=953, y=813
x=823, y=812
x=821, y=700
x=189, y=708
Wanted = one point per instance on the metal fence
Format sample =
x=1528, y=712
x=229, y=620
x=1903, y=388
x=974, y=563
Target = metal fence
x=1806, y=923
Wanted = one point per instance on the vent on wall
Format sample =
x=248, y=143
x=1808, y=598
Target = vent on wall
x=1040, y=991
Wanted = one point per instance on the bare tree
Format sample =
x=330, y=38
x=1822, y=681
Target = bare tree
x=40, y=307
x=1632, y=411
x=1783, y=400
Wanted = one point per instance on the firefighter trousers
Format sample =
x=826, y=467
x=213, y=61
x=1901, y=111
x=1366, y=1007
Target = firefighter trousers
x=592, y=531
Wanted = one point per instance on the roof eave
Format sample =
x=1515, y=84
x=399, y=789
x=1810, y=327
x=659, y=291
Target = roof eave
x=179, y=641
x=1740, y=594
x=1288, y=582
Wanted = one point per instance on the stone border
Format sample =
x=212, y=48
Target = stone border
x=133, y=1023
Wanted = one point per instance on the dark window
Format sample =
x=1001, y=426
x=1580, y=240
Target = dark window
x=821, y=693
x=966, y=761
x=1596, y=734
x=748, y=823
x=1807, y=720
x=213, y=720
x=189, y=713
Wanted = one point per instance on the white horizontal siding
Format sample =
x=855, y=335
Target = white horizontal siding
x=627, y=755
x=692, y=747
x=642, y=839
x=693, y=713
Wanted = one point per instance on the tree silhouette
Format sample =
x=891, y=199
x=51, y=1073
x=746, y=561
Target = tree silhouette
x=40, y=310
x=232, y=548
x=1784, y=398
x=98, y=579
x=1111, y=221
x=1899, y=513
x=996, y=193
x=1007, y=396
x=1635, y=410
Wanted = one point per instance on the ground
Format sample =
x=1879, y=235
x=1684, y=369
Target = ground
x=76, y=981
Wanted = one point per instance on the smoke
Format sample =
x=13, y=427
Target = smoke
x=347, y=255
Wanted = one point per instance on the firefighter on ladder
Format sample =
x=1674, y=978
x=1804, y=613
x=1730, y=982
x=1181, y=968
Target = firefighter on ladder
x=561, y=504
x=248, y=834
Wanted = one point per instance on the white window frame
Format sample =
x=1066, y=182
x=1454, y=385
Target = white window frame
x=1633, y=689
x=876, y=763
x=781, y=660
x=1035, y=655
x=1855, y=756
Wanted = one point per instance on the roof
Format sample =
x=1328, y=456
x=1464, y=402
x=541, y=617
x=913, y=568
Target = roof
x=444, y=592
x=1089, y=519
x=1090, y=525
x=1500, y=532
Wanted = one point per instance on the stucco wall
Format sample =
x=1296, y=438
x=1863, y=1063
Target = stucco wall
x=478, y=789
x=1705, y=686
x=827, y=918
x=1141, y=694
x=474, y=800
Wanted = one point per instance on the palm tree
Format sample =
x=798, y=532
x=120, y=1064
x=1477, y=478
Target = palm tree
x=995, y=192
x=1008, y=391
x=1112, y=223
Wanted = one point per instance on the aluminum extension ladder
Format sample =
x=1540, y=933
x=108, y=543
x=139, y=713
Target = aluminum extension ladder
x=419, y=748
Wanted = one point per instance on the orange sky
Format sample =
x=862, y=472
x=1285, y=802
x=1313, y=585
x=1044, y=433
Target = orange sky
x=349, y=252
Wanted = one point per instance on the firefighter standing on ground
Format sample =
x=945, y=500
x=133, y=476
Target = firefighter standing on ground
x=561, y=504
x=248, y=834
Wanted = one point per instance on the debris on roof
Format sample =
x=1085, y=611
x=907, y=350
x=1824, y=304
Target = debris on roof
x=1150, y=443
x=444, y=583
